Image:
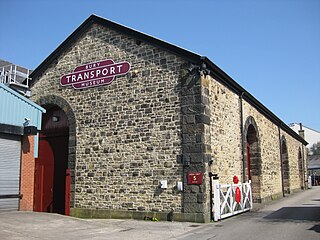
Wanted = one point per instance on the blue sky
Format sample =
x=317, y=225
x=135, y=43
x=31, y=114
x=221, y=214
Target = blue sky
x=270, y=47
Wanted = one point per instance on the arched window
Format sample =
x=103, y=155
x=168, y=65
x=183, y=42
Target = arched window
x=253, y=157
x=285, y=166
x=300, y=168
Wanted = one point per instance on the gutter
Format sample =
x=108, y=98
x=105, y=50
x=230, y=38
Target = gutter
x=225, y=79
x=194, y=58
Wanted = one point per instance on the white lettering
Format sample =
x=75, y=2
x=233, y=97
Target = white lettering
x=112, y=70
x=79, y=77
x=73, y=78
x=119, y=68
x=86, y=75
x=68, y=78
x=93, y=65
x=104, y=71
x=98, y=72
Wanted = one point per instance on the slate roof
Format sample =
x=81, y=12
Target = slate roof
x=313, y=162
x=193, y=58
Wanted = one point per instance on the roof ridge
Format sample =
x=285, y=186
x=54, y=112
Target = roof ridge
x=217, y=73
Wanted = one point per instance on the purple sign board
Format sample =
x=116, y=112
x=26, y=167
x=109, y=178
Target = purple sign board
x=95, y=74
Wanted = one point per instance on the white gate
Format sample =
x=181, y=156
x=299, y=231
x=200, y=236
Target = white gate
x=225, y=201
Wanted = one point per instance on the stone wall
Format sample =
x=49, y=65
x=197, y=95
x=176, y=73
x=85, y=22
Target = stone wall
x=270, y=179
x=225, y=132
x=196, y=142
x=158, y=122
x=271, y=183
x=128, y=134
x=293, y=154
x=226, y=144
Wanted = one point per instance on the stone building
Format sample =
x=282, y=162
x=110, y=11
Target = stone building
x=130, y=117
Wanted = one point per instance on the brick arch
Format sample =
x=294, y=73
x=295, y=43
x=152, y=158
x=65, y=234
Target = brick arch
x=53, y=100
x=253, y=157
x=285, y=166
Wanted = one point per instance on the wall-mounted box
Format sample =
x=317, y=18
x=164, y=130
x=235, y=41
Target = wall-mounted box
x=163, y=184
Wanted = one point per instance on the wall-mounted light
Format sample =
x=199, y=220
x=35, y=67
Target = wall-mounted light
x=55, y=119
x=26, y=121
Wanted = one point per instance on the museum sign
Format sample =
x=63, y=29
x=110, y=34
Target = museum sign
x=95, y=74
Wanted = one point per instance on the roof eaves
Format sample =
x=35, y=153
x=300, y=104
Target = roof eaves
x=186, y=54
x=217, y=73
x=24, y=99
x=224, y=78
x=65, y=44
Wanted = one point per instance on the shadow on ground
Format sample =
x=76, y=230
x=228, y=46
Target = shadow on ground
x=297, y=214
x=315, y=228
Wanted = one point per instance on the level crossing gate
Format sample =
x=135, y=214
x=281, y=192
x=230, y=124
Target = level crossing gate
x=231, y=199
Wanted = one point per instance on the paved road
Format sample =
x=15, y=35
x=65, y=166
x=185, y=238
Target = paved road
x=294, y=218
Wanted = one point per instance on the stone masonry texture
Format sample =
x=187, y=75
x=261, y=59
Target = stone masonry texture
x=128, y=134
x=226, y=143
x=158, y=122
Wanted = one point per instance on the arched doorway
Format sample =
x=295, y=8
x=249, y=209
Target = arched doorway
x=253, y=158
x=300, y=168
x=285, y=167
x=51, y=193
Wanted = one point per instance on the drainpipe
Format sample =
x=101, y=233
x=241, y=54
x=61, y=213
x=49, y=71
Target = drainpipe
x=211, y=175
x=301, y=133
x=242, y=137
x=281, y=160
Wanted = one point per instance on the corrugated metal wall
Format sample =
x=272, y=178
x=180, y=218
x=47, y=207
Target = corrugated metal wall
x=10, y=147
x=14, y=108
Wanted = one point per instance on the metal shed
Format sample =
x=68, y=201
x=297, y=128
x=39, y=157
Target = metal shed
x=18, y=117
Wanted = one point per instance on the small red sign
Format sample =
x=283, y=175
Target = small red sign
x=95, y=74
x=238, y=195
x=195, y=178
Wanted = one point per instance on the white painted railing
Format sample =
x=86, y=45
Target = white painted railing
x=227, y=203
x=13, y=74
x=16, y=77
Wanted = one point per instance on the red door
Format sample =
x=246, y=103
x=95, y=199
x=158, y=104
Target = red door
x=44, y=172
x=67, y=192
x=52, y=181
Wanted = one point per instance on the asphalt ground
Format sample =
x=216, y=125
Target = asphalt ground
x=294, y=217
